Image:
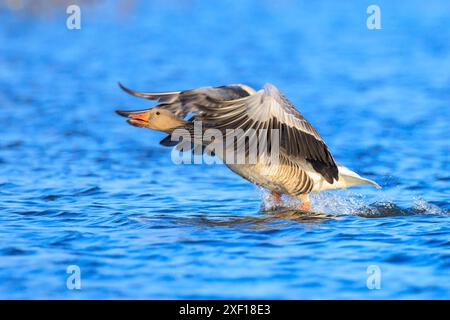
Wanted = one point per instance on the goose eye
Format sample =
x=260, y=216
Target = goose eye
x=157, y=113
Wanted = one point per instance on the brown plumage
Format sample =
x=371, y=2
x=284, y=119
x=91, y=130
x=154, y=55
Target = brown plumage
x=305, y=163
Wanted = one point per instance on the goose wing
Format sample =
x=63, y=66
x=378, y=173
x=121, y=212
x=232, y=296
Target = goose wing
x=183, y=102
x=270, y=109
x=241, y=107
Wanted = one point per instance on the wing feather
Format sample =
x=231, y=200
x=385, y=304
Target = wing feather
x=241, y=107
x=270, y=109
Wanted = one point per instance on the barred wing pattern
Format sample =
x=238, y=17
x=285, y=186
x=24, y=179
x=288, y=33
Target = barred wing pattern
x=240, y=107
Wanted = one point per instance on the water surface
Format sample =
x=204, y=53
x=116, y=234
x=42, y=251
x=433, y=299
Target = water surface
x=78, y=186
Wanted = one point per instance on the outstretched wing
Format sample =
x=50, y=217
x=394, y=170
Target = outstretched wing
x=270, y=109
x=183, y=102
x=240, y=107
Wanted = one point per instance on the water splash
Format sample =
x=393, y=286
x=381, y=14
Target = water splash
x=345, y=202
x=334, y=203
x=422, y=206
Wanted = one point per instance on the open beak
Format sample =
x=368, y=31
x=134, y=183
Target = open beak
x=137, y=118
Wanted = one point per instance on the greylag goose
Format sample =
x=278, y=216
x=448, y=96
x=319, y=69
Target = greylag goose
x=303, y=163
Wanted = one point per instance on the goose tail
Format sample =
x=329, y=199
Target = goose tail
x=351, y=178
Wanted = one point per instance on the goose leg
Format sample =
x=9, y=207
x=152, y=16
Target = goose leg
x=306, y=203
x=275, y=198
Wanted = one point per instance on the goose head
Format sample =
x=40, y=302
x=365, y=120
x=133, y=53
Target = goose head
x=154, y=118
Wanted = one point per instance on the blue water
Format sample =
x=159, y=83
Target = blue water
x=78, y=186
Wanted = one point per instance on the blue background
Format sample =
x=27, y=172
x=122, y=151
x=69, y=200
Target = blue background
x=78, y=186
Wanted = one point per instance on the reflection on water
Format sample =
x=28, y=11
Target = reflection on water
x=278, y=218
x=78, y=186
x=263, y=220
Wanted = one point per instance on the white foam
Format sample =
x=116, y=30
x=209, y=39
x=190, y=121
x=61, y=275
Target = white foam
x=424, y=207
x=346, y=202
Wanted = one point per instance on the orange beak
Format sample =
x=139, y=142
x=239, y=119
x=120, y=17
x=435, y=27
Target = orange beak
x=138, y=118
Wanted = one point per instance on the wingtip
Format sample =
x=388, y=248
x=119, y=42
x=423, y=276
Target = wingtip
x=122, y=113
x=121, y=86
